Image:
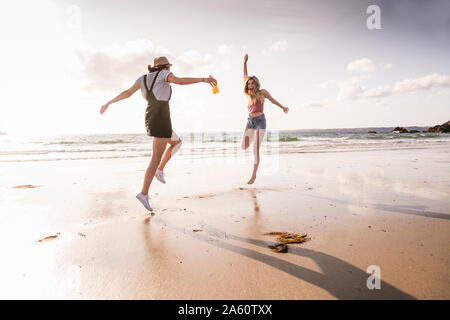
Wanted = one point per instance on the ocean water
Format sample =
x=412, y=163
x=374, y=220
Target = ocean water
x=212, y=144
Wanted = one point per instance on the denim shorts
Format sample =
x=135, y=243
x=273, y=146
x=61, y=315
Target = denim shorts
x=258, y=122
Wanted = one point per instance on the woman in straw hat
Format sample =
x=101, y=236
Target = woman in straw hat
x=156, y=89
x=256, y=122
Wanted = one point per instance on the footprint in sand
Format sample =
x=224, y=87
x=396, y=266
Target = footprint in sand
x=25, y=186
x=90, y=222
x=206, y=196
x=280, y=247
x=49, y=238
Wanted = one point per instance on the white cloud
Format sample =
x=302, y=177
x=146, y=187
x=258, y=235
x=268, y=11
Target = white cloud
x=225, y=49
x=387, y=65
x=361, y=65
x=443, y=92
x=377, y=92
x=345, y=83
x=115, y=67
x=428, y=82
x=278, y=46
x=352, y=90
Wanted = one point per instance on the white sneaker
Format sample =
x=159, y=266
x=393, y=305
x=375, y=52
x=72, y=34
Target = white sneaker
x=160, y=175
x=144, y=200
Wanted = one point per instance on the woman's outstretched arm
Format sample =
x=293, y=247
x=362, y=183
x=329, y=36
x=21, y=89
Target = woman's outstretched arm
x=245, y=67
x=275, y=102
x=183, y=81
x=123, y=95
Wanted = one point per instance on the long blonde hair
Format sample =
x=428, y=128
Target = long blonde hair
x=253, y=95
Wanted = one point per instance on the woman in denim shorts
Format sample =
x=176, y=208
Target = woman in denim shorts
x=256, y=122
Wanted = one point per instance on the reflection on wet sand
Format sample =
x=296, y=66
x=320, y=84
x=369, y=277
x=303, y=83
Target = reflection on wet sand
x=253, y=193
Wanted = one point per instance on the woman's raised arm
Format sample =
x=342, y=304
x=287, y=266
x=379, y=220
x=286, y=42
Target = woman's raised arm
x=123, y=95
x=245, y=67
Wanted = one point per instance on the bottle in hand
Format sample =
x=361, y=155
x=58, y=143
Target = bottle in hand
x=215, y=89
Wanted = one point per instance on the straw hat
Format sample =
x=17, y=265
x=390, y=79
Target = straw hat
x=160, y=61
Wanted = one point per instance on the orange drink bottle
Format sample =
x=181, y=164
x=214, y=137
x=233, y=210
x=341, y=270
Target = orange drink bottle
x=215, y=89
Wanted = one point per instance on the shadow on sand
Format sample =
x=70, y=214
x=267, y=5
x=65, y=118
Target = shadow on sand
x=341, y=279
x=416, y=210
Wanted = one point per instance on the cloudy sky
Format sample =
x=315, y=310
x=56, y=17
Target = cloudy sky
x=61, y=60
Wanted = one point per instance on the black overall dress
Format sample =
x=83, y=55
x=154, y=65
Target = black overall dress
x=157, y=115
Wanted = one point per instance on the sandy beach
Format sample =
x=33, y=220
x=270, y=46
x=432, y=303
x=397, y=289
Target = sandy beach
x=348, y=101
x=389, y=208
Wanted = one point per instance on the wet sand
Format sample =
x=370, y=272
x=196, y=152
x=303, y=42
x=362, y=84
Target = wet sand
x=206, y=239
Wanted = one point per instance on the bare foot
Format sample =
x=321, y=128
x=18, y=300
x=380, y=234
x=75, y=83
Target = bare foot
x=252, y=179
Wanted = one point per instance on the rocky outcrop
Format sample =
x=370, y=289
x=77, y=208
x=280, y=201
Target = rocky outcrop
x=443, y=128
x=414, y=131
x=371, y=131
x=400, y=130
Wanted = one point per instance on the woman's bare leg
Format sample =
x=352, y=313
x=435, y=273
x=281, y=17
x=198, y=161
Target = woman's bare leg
x=247, y=139
x=159, y=145
x=171, y=150
x=258, y=136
